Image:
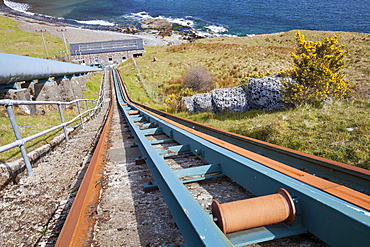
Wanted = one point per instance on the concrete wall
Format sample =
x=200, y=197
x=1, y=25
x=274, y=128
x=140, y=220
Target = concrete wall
x=62, y=90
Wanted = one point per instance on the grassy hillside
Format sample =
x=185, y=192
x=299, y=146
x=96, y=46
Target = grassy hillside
x=15, y=41
x=30, y=125
x=230, y=59
x=338, y=131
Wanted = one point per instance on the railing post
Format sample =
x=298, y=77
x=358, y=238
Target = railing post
x=62, y=119
x=95, y=107
x=17, y=134
x=79, y=113
x=87, y=108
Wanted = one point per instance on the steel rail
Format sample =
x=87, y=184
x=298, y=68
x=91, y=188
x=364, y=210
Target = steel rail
x=355, y=174
x=78, y=227
x=354, y=177
x=320, y=210
x=20, y=142
x=195, y=224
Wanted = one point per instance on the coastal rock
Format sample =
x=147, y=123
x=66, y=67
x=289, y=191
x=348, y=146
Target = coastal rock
x=157, y=24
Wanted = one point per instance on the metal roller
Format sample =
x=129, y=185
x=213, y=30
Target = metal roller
x=254, y=212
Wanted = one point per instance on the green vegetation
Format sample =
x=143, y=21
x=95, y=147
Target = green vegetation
x=93, y=86
x=15, y=41
x=316, y=73
x=338, y=130
x=30, y=125
x=231, y=59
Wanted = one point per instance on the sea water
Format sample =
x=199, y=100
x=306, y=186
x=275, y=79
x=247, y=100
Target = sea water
x=227, y=17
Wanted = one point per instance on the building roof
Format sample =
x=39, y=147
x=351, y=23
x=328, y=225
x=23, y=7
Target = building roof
x=107, y=46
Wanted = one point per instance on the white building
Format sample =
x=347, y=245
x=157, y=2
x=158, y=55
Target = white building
x=106, y=52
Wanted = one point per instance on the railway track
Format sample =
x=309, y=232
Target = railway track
x=252, y=191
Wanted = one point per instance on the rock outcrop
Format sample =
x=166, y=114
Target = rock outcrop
x=162, y=25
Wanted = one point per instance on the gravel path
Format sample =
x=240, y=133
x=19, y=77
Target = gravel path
x=130, y=216
x=33, y=211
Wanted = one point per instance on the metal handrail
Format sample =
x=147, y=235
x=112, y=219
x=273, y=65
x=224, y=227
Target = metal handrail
x=20, y=142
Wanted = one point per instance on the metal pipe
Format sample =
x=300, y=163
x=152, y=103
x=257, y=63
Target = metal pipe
x=79, y=113
x=15, y=68
x=62, y=119
x=17, y=134
x=87, y=109
x=21, y=141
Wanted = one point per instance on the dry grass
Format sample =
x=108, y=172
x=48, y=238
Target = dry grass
x=338, y=131
x=230, y=59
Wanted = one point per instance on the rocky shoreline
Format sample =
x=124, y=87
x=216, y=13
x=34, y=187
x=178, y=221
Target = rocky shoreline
x=156, y=32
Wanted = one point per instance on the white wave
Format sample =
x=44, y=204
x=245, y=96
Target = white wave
x=96, y=22
x=181, y=21
x=211, y=30
x=217, y=29
x=142, y=16
x=21, y=7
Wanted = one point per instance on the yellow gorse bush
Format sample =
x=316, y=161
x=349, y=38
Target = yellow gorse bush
x=174, y=102
x=316, y=72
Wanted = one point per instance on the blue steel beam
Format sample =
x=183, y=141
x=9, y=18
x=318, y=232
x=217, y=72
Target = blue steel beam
x=15, y=68
x=333, y=171
x=333, y=220
x=196, y=226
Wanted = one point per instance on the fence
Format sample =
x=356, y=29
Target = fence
x=20, y=142
x=148, y=90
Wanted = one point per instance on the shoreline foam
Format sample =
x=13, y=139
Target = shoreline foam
x=188, y=24
x=84, y=33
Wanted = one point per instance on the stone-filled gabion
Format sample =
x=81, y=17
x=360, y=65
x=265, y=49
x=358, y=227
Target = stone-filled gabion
x=259, y=94
x=202, y=102
x=188, y=102
x=264, y=93
x=229, y=99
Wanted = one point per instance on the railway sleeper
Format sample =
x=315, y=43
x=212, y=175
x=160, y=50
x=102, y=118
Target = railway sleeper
x=325, y=215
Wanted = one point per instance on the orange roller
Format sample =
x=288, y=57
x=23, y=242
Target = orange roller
x=254, y=212
x=134, y=112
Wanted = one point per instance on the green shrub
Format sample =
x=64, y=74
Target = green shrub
x=316, y=72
